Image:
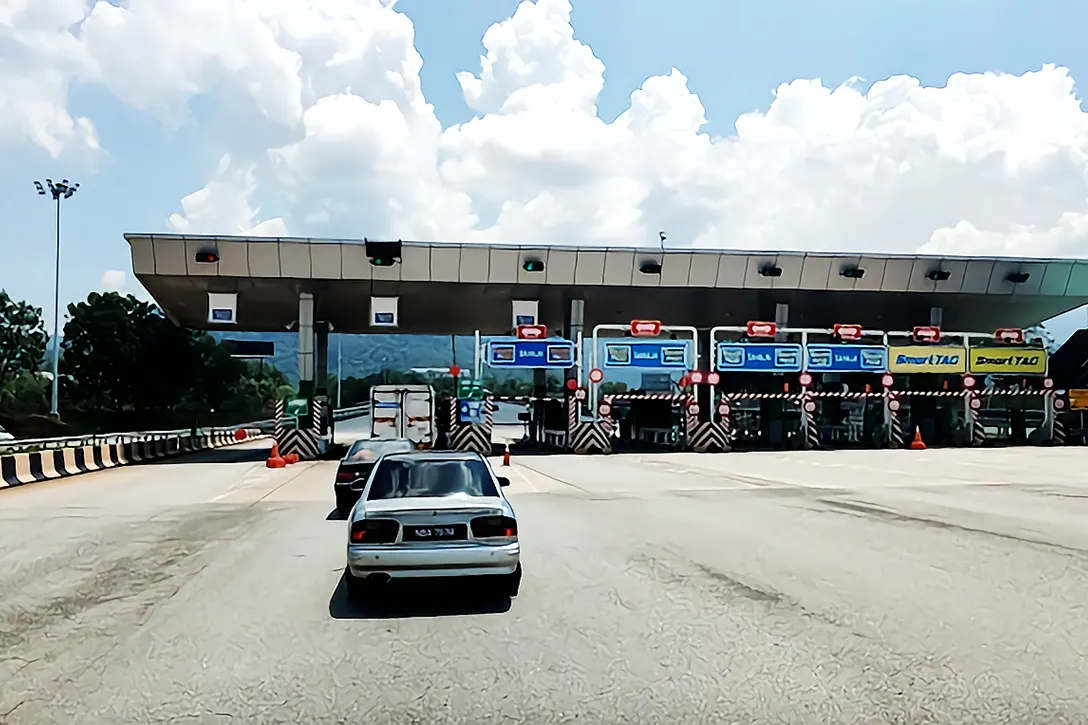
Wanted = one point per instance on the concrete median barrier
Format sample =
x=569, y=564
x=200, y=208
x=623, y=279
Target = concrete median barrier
x=19, y=469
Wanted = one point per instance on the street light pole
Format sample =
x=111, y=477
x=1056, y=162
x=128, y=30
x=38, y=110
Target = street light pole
x=59, y=191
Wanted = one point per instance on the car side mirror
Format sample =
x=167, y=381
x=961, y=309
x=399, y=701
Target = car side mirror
x=504, y=481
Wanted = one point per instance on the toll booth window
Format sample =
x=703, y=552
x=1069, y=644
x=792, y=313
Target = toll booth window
x=430, y=478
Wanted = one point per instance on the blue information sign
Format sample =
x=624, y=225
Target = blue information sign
x=847, y=358
x=673, y=354
x=471, y=411
x=515, y=353
x=761, y=358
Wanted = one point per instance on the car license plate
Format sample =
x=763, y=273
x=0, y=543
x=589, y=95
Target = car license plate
x=433, y=533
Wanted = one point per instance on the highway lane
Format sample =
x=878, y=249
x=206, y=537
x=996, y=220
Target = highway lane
x=903, y=587
x=507, y=428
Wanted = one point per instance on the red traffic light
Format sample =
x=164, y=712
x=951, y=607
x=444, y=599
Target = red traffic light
x=572, y=384
x=206, y=257
x=455, y=371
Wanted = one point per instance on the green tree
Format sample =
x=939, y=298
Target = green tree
x=22, y=339
x=121, y=353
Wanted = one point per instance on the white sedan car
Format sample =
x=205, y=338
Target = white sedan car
x=433, y=514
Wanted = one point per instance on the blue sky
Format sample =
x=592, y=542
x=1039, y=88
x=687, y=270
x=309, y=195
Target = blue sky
x=733, y=56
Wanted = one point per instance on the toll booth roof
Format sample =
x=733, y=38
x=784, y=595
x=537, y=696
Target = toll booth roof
x=456, y=288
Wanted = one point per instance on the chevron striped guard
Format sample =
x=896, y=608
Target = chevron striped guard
x=277, y=430
x=895, y=424
x=301, y=442
x=978, y=432
x=691, y=419
x=572, y=418
x=1057, y=436
x=709, y=437
x=808, y=425
x=589, y=437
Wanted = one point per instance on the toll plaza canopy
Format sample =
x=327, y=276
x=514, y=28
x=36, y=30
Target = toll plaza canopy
x=457, y=288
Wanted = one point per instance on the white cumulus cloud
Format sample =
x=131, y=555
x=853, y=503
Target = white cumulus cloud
x=988, y=163
x=223, y=206
x=112, y=280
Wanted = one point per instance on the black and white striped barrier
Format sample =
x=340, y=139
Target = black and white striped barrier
x=17, y=469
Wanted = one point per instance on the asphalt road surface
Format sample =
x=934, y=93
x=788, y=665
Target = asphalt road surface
x=869, y=587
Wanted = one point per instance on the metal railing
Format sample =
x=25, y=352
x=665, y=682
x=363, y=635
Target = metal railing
x=26, y=445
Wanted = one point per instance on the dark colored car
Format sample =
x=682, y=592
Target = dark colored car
x=356, y=465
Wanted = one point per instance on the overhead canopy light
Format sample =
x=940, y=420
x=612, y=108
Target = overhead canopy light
x=770, y=270
x=650, y=267
x=938, y=275
x=853, y=272
x=533, y=265
x=1018, y=277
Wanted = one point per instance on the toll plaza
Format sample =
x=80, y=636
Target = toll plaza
x=812, y=383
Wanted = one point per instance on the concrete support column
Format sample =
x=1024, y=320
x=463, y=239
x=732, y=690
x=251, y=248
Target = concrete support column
x=782, y=319
x=575, y=325
x=705, y=393
x=936, y=316
x=321, y=358
x=306, y=344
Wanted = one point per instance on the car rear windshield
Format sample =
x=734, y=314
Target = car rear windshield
x=369, y=450
x=421, y=477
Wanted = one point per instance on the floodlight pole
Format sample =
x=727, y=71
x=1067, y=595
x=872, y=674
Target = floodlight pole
x=59, y=191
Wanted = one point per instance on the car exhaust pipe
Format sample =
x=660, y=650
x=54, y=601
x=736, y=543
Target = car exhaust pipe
x=378, y=579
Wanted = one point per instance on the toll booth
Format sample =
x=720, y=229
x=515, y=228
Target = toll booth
x=640, y=420
x=926, y=392
x=761, y=403
x=1008, y=375
x=547, y=419
x=844, y=367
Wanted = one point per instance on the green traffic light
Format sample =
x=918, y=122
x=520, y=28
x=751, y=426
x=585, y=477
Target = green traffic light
x=533, y=265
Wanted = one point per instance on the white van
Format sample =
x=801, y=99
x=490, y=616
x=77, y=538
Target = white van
x=403, y=411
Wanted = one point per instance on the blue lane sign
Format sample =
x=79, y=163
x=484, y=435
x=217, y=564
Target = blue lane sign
x=847, y=358
x=515, y=353
x=763, y=358
x=651, y=354
x=471, y=411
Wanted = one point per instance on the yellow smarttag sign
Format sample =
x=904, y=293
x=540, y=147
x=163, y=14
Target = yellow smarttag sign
x=1011, y=361
x=927, y=359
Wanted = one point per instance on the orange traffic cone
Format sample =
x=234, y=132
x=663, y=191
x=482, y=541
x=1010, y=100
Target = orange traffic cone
x=917, y=444
x=506, y=455
x=275, y=460
x=291, y=458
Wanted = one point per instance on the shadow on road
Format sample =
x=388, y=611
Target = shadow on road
x=412, y=600
x=216, y=455
x=334, y=515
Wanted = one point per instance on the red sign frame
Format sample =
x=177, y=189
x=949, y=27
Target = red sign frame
x=762, y=329
x=1009, y=336
x=645, y=328
x=926, y=333
x=532, y=332
x=848, y=332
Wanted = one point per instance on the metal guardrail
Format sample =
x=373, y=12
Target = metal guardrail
x=24, y=445
x=356, y=411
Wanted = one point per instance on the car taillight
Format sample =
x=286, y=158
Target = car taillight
x=374, y=531
x=345, y=476
x=487, y=527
